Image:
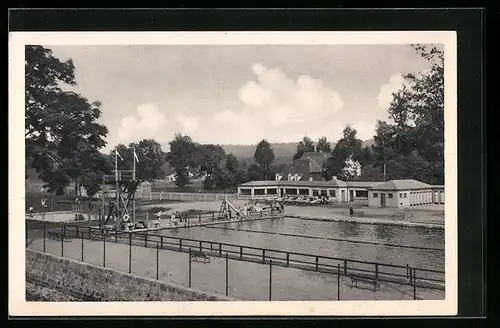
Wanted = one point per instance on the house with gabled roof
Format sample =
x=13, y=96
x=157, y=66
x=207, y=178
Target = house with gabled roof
x=307, y=168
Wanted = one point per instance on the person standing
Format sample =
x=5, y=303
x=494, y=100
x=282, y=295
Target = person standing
x=351, y=211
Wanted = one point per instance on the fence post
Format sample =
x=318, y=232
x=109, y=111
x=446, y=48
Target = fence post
x=414, y=284
x=376, y=270
x=157, y=261
x=146, y=239
x=287, y=259
x=227, y=275
x=338, y=282
x=407, y=271
x=104, y=249
x=44, y=229
x=180, y=245
x=77, y=231
x=129, y=252
x=264, y=255
x=317, y=263
x=241, y=252
x=220, y=250
x=116, y=235
x=161, y=241
x=270, y=278
x=62, y=239
x=201, y=248
x=199, y=217
x=345, y=267
x=189, y=285
x=411, y=275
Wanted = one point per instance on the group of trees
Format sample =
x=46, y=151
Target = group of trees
x=412, y=147
x=218, y=169
x=64, y=137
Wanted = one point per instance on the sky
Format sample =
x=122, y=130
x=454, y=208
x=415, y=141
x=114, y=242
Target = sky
x=239, y=94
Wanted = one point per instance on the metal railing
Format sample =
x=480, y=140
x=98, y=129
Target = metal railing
x=381, y=272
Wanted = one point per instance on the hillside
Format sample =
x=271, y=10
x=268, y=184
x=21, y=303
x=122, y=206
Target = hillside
x=281, y=150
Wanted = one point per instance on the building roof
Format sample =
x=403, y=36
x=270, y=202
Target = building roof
x=362, y=184
x=298, y=184
x=303, y=166
x=401, y=185
x=318, y=157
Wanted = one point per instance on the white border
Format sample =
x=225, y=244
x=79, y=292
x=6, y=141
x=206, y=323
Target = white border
x=17, y=303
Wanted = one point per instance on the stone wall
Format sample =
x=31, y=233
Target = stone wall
x=90, y=282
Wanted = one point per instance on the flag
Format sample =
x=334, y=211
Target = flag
x=118, y=154
x=135, y=156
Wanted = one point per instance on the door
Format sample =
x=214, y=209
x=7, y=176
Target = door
x=382, y=199
x=343, y=196
x=351, y=195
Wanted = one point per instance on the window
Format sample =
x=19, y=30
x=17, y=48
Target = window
x=405, y=195
x=389, y=195
x=315, y=192
x=375, y=195
x=400, y=195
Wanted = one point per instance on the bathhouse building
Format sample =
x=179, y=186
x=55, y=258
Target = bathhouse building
x=404, y=193
x=276, y=189
x=393, y=193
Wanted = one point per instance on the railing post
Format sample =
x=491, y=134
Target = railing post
x=199, y=217
x=77, y=232
x=407, y=271
x=44, y=229
x=376, y=270
x=201, y=247
x=317, y=263
x=146, y=239
x=220, y=250
x=104, y=250
x=82, y=246
x=287, y=259
x=414, y=284
x=62, y=239
x=157, y=261
x=411, y=275
x=116, y=235
x=227, y=276
x=270, y=278
x=241, y=252
x=161, y=241
x=264, y=255
x=345, y=267
x=129, y=252
x=180, y=245
x=338, y=282
x=189, y=284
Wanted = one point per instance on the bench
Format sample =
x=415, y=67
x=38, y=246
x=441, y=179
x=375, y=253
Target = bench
x=372, y=281
x=57, y=235
x=399, y=215
x=198, y=256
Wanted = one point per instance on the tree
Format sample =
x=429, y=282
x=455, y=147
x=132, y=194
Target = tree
x=151, y=159
x=183, y=157
x=58, y=123
x=323, y=145
x=417, y=135
x=348, y=151
x=254, y=172
x=306, y=145
x=264, y=157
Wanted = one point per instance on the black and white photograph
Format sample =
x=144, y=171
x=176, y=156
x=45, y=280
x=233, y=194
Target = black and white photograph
x=281, y=172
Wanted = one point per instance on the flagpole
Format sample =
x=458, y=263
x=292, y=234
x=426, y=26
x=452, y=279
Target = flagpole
x=116, y=192
x=133, y=178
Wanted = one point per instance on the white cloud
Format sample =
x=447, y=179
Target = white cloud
x=385, y=93
x=365, y=130
x=189, y=124
x=148, y=122
x=278, y=99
